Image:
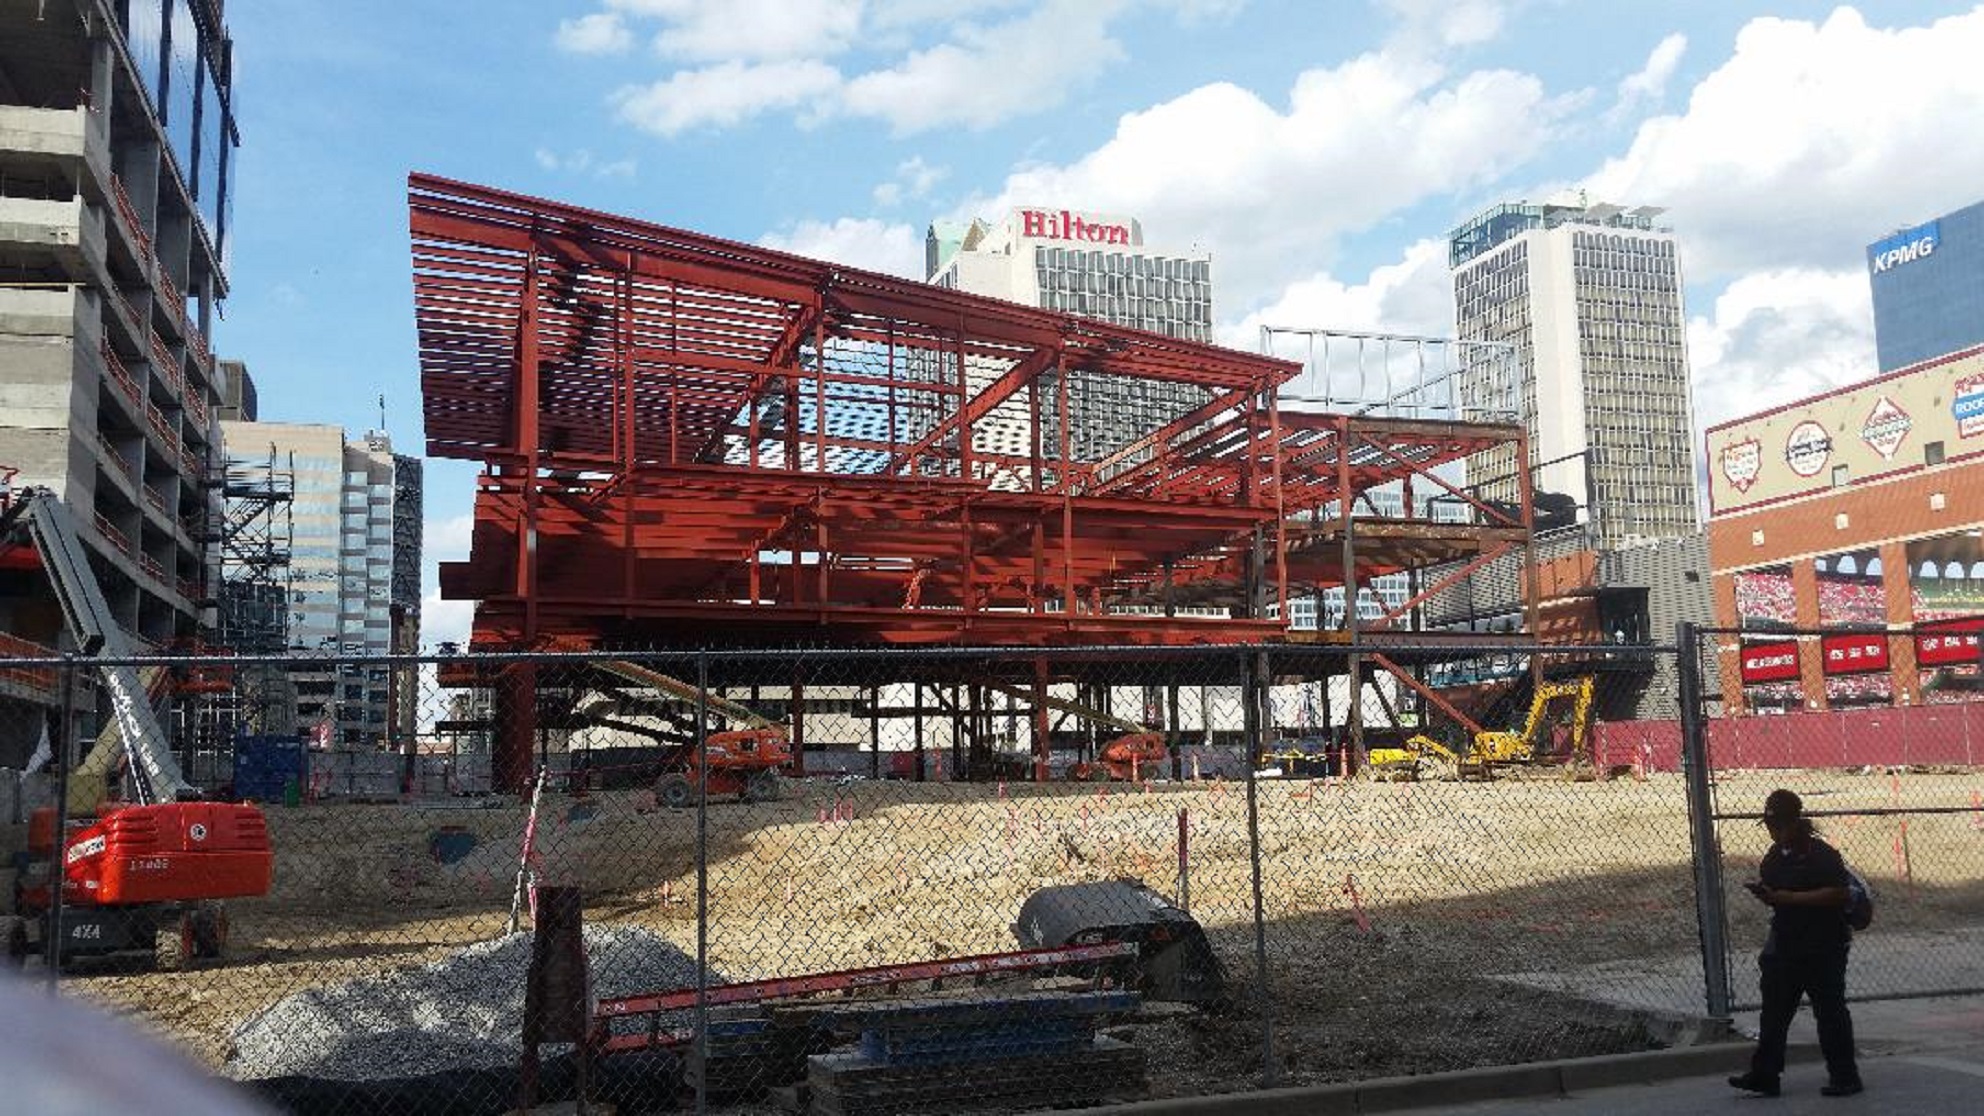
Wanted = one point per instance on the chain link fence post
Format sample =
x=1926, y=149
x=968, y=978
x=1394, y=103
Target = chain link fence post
x=1258, y=716
x=64, y=746
x=1711, y=912
x=702, y=881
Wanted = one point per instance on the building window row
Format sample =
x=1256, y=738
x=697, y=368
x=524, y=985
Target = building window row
x=1118, y=263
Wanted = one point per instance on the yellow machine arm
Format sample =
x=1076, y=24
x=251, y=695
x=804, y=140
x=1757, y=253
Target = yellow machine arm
x=1503, y=747
x=1507, y=747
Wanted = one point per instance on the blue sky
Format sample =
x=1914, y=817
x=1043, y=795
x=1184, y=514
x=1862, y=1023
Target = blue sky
x=1319, y=150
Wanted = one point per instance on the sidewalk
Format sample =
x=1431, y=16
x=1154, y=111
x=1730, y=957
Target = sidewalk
x=1916, y=1056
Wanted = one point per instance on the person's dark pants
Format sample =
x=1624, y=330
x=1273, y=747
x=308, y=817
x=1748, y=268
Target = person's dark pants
x=1783, y=979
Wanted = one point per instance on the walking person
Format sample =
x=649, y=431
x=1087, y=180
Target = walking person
x=1805, y=884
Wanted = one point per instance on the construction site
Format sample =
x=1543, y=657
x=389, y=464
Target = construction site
x=886, y=699
x=691, y=443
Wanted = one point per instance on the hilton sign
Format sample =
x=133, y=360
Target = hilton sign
x=1040, y=224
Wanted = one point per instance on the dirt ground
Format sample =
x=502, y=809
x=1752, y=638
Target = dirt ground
x=1391, y=909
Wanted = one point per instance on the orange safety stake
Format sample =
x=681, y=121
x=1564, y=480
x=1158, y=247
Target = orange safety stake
x=1901, y=846
x=1356, y=904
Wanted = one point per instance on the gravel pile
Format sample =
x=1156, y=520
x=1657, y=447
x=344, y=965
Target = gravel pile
x=462, y=1013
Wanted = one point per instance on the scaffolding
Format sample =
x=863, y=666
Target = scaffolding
x=256, y=537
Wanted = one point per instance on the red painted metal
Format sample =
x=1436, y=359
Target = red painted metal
x=843, y=981
x=692, y=441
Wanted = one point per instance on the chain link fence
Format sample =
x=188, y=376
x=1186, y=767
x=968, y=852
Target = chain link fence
x=1890, y=778
x=918, y=881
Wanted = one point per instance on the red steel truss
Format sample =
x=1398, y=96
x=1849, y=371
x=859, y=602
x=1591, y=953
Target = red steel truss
x=691, y=441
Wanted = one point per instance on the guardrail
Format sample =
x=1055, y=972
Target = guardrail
x=119, y=375
x=175, y=302
x=161, y=426
x=130, y=215
x=116, y=457
x=168, y=365
x=112, y=535
x=196, y=344
x=39, y=679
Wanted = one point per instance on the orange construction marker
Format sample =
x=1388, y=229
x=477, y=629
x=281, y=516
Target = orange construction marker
x=1356, y=904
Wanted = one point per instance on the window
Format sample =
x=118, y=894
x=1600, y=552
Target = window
x=1839, y=474
x=1932, y=453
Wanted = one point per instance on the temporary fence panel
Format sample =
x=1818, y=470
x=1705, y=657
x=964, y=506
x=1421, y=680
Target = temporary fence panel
x=1896, y=788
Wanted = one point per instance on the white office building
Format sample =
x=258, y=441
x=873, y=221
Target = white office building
x=1094, y=265
x=1590, y=296
x=343, y=557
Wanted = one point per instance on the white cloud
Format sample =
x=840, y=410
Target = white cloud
x=725, y=30
x=758, y=56
x=1271, y=190
x=913, y=179
x=444, y=540
x=1432, y=25
x=1650, y=83
x=990, y=74
x=1812, y=140
x=445, y=621
x=723, y=94
x=909, y=13
x=1193, y=13
x=599, y=33
x=582, y=162
x=1412, y=296
x=1773, y=337
x=871, y=245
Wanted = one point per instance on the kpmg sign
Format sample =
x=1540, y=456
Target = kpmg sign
x=1904, y=247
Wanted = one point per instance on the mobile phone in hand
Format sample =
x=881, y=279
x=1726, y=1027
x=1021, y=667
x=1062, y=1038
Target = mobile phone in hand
x=1755, y=888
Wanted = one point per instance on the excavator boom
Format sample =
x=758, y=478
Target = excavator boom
x=155, y=774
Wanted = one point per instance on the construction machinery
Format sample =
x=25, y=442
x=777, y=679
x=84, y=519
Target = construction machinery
x=1127, y=758
x=145, y=874
x=743, y=761
x=1488, y=748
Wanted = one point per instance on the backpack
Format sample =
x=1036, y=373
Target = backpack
x=1859, y=901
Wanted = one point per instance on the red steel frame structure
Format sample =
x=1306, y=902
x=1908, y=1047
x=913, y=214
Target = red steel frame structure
x=690, y=441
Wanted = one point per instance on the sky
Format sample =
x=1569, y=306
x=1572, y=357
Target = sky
x=1319, y=150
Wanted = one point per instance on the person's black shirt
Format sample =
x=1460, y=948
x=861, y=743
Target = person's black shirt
x=1801, y=929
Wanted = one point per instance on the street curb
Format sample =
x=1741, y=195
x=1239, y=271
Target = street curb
x=1487, y=1083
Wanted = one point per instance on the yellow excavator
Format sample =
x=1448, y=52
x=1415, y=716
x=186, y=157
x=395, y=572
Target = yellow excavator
x=1490, y=747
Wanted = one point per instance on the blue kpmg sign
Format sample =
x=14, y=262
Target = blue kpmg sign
x=1904, y=247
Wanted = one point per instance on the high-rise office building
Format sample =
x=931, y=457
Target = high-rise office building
x=1094, y=266
x=1928, y=286
x=117, y=143
x=1090, y=264
x=1590, y=296
x=353, y=566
